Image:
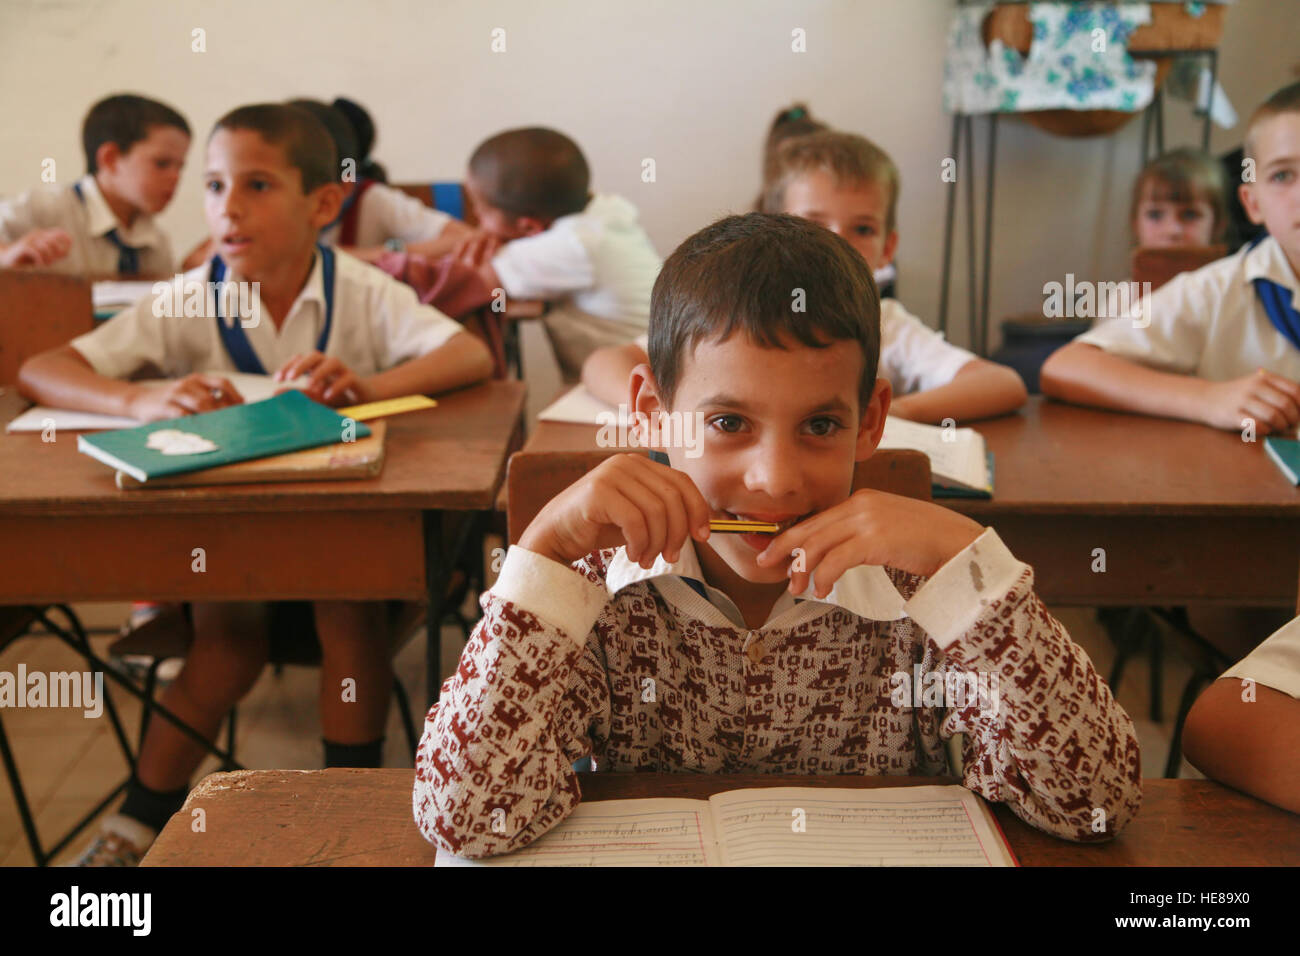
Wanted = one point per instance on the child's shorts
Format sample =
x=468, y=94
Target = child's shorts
x=291, y=630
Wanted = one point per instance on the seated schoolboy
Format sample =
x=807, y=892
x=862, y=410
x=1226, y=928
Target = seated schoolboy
x=271, y=183
x=587, y=255
x=103, y=223
x=375, y=218
x=1245, y=729
x=1220, y=345
x=766, y=654
x=849, y=185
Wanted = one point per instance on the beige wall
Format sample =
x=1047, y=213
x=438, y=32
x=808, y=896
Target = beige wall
x=690, y=83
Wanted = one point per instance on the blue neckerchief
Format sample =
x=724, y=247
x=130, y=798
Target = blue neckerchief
x=232, y=334
x=1276, y=300
x=128, y=257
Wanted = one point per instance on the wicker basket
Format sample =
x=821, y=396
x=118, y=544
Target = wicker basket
x=1171, y=28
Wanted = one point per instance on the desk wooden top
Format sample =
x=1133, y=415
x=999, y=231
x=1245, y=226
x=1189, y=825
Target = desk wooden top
x=364, y=818
x=450, y=457
x=1053, y=458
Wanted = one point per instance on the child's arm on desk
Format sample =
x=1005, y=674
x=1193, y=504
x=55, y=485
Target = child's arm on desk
x=607, y=371
x=1087, y=375
x=1251, y=745
x=62, y=378
x=530, y=686
x=1051, y=742
x=980, y=389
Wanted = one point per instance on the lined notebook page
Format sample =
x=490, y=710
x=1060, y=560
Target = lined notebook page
x=618, y=833
x=893, y=826
x=963, y=458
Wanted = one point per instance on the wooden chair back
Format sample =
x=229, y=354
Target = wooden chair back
x=534, y=478
x=39, y=311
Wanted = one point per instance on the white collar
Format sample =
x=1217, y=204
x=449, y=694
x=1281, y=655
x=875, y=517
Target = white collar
x=313, y=289
x=100, y=219
x=1268, y=261
x=865, y=590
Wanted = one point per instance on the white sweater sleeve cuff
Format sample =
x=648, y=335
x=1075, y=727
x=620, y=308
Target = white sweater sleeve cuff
x=962, y=591
x=555, y=592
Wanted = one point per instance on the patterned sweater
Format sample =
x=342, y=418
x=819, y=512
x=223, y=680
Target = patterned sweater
x=643, y=672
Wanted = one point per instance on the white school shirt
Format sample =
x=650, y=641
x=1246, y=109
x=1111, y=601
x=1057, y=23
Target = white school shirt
x=913, y=356
x=597, y=267
x=1210, y=323
x=388, y=213
x=1275, y=663
x=378, y=323
x=92, y=253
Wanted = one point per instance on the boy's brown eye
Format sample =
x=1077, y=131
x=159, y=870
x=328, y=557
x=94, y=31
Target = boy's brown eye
x=728, y=423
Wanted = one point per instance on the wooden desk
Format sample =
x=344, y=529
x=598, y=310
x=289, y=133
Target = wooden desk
x=67, y=533
x=1186, y=514
x=364, y=818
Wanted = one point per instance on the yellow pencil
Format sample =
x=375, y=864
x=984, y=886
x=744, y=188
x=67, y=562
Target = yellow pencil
x=737, y=526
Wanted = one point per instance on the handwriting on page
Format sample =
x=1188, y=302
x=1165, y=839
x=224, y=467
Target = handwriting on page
x=758, y=832
x=605, y=835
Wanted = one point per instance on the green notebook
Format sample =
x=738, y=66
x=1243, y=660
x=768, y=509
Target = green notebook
x=288, y=422
x=1285, y=453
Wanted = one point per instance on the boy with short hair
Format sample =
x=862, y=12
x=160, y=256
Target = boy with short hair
x=588, y=255
x=850, y=185
x=1220, y=345
x=272, y=181
x=103, y=224
x=785, y=654
x=1245, y=729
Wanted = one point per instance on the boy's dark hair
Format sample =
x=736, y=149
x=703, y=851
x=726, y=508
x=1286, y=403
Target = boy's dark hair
x=533, y=172
x=1285, y=100
x=364, y=129
x=307, y=144
x=1183, y=176
x=340, y=130
x=851, y=159
x=748, y=274
x=124, y=119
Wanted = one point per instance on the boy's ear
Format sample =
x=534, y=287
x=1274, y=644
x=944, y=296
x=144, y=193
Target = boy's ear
x=644, y=393
x=529, y=226
x=871, y=426
x=326, y=201
x=1248, y=202
x=107, y=156
x=890, y=247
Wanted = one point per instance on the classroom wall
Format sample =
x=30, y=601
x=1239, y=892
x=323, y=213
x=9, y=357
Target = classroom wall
x=689, y=83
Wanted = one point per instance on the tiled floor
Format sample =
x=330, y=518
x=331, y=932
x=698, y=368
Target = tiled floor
x=69, y=762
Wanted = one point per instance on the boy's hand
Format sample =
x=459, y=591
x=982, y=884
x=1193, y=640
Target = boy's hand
x=871, y=527
x=185, y=396
x=628, y=499
x=1271, y=400
x=477, y=249
x=329, y=381
x=40, y=247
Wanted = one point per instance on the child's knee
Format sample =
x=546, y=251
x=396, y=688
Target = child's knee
x=230, y=641
x=352, y=629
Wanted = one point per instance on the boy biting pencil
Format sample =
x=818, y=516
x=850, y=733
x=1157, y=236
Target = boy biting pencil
x=625, y=628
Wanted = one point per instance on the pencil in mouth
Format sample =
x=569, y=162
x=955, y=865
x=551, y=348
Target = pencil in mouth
x=739, y=526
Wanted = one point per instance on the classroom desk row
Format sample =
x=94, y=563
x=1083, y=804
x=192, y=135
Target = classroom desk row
x=67, y=533
x=1185, y=514
x=363, y=818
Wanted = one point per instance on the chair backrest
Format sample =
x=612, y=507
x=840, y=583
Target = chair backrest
x=448, y=197
x=1158, y=266
x=535, y=477
x=39, y=311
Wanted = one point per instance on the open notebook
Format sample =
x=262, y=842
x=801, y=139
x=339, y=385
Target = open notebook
x=889, y=826
x=960, y=463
